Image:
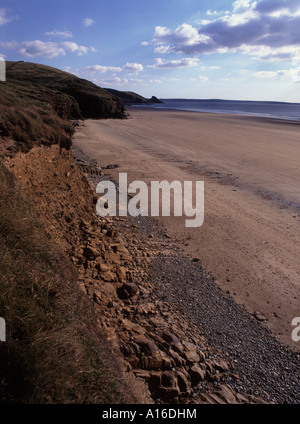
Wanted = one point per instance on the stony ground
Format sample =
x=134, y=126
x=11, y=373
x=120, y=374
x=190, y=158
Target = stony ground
x=165, y=319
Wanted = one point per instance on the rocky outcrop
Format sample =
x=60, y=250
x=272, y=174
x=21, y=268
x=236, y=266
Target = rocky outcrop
x=157, y=345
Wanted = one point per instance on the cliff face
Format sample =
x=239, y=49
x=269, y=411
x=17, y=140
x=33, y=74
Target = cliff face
x=37, y=103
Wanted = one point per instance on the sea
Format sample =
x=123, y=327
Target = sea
x=276, y=110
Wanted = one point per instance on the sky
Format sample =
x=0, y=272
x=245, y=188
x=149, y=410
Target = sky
x=239, y=50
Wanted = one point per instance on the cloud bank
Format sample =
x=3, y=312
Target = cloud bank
x=265, y=29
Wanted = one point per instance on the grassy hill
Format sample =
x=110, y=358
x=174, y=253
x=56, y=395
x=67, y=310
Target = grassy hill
x=37, y=103
x=129, y=97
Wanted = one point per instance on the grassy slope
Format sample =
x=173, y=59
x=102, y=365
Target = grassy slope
x=54, y=352
x=37, y=102
x=129, y=97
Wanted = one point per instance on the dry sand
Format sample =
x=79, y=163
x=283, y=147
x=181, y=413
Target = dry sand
x=250, y=237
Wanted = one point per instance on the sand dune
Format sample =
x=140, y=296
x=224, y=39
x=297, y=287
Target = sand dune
x=250, y=238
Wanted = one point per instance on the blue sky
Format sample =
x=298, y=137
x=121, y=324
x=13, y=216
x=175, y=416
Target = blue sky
x=241, y=49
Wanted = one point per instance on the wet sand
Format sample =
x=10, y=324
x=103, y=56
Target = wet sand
x=250, y=239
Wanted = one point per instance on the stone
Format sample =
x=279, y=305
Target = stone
x=127, y=290
x=197, y=374
x=183, y=382
x=190, y=347
x=145, y=375
x=221, y=365
x=122, y=273
x=108, y=276
x=149, y=348
x=169, y=393
x=154, y=381
x=173, y=341
x=167, y=362
x=168, y=379
x=259, y=316
x=226, y=393
x=179, y=361
x=192, y=356
x=91, y=252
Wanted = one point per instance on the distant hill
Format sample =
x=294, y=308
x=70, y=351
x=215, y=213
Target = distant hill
x=129, y=97
x=37, y=103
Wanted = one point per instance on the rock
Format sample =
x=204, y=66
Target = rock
x=169, y=393
x=179, y=361
x=173, y=341
x=132, y=326
x=91, y=253
x=259, y=316
x=127, y=290
x=108, y=276
x=149, y=348
x=167, y=362
x=197, y=374
x=192, y=356
x=112, y=166
x=189, y=346
x=145, y=375
x=122, y=273
x=183, y=381
x=221, y=365
x=154, y=381
x=226, y=393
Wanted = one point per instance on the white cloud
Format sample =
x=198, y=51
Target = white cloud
x=184, y=35
x=9, y=44
x=49, y=49
x=56, y=33
x=267, y=29
x=102, y=69
x=208, y=68
x=199, y=78
x=4, y=19
x=133, y=67
x=173, y=64
x=162, y=49
x=112, y=81
x=211, y=12
x=283, y=74
x=40, y=48
x=74, y=47
x=87, y=22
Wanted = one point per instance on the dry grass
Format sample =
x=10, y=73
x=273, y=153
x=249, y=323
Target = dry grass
x=54, y=351
x=37, y=103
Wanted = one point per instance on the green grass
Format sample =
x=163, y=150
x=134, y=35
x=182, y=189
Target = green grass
x=37, y=103
x=54, y=352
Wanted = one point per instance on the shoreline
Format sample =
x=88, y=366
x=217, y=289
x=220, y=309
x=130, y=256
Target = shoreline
x=193, y=305
x=258, y=117
x=249, y=238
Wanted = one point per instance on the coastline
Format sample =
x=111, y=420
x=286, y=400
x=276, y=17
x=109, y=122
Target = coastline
x=266, y=364
x=200, y=106
x=249, y=237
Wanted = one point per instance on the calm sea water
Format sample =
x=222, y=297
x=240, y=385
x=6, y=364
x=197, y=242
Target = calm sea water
x=279, y=110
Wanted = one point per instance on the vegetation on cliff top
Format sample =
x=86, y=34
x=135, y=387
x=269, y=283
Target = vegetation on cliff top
x=37, y=103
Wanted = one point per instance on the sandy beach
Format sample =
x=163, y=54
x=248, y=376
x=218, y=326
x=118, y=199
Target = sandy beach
x=250, y=237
